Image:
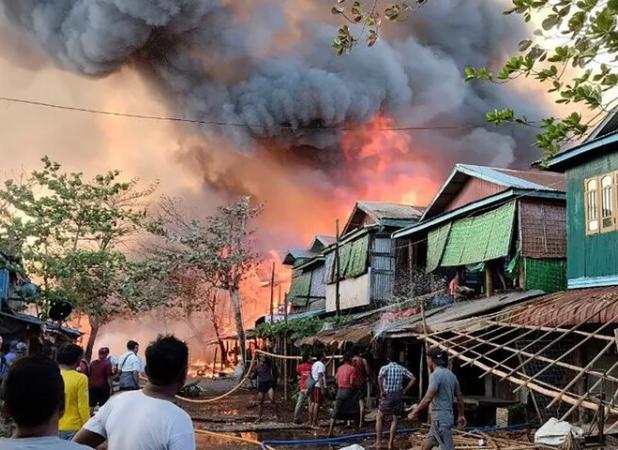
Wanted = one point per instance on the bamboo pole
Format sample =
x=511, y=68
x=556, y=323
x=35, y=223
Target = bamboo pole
x=516, y=351
x=493, y=361
x=561, y=337
x=590, y=389
x=534, y=386
x=568, y=352
x=337, y=270
x=272, y=295
x=214, y=364
x=583, y=371
x=542, y=328
x=543, y=336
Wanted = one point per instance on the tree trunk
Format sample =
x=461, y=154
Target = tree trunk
x=94, y=330
x=240, y=330
x=215, y=325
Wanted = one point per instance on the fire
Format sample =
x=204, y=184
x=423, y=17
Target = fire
x=386, y=165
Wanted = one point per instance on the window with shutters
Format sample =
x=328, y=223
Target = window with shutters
x=601, y=203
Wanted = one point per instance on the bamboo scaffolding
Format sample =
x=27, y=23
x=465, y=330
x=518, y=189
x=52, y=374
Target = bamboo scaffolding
x=533, y=386
x=571, y=350
x=592, y=388
x=540, y=358
x=546, y=334
x=542, y=328
x=533, y=330
x=584, y=371
x=497, y=363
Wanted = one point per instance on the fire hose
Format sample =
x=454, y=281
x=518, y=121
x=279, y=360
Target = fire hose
x=234, y=438
x=242, y=381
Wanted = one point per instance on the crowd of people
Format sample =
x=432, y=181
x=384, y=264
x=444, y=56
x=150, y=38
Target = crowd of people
x=353, y=385
x=68, y=403
x=51, y=402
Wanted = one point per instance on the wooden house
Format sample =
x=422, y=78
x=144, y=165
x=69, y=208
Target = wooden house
x=366, y=263
x=308, y=286
x=491, y=226
x=591, y=171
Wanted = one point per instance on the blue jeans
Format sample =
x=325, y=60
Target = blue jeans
x=66, y=435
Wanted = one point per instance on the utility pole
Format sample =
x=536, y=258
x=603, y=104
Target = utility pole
x=272, y=295
x=285, y=346
x=337, y=270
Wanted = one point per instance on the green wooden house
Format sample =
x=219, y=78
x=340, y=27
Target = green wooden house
x=491, y=227
x=591, y=170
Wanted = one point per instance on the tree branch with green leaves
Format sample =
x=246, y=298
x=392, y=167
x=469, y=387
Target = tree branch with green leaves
x=573, y=54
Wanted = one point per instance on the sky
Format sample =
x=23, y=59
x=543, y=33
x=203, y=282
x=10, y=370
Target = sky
x=266, y=63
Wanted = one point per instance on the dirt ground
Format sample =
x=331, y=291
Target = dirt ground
x=240, y=411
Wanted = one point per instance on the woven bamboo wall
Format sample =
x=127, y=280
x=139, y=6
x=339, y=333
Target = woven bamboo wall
x=543, y=228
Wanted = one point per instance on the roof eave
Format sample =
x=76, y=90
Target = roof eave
x=563, y=161
x=470, y=207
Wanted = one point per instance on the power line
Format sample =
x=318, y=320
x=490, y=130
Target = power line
x=224, y=123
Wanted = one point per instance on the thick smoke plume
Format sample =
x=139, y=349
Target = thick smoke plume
x=266, y=64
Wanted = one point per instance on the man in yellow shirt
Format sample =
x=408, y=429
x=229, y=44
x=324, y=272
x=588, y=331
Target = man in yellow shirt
x=76, y=408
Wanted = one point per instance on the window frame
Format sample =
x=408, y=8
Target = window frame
x=599, y=206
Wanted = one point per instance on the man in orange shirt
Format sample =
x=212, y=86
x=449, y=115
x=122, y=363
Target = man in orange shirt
x=346, y=402
x=76, y=408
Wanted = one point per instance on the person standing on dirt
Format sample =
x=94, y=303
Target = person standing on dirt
x=76, y=407
x=390, y=382
x=442, y=392
x=147, y=418
x=317, y=388
x=265, y=375
x=304, y=372
x=100, y=380
x=362, y=380
x=346, y=401
x=129, y=366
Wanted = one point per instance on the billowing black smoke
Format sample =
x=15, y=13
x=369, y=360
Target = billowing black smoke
x=267, y=64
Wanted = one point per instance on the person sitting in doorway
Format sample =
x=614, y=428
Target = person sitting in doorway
x=33, y=395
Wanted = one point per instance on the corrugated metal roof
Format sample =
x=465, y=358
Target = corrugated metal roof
x=440, y=319
x=26, y=318
x=297, y=253
x=383, y=211
x=567, y=308
x=357, y=333
x=508, y=178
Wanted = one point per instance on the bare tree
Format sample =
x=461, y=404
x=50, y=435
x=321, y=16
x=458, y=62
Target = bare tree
x=217, y=250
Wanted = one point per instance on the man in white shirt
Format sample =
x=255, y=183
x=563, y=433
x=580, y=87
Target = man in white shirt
x=147, y=419
x=318, y=375
x=130, y=366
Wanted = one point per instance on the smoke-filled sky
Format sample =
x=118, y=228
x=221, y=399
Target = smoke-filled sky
x=266, y=67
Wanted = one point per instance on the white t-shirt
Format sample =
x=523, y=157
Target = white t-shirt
x=133, y=420
x=40, y=443
x=130, y=362
x=317, y=368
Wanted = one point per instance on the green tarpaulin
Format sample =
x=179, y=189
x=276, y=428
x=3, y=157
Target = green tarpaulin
x=480, y=238
x=352, y=258
x=357, y=264
x=299, y=289
x=436, y=240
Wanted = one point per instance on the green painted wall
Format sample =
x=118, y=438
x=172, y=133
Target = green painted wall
x=595, y=255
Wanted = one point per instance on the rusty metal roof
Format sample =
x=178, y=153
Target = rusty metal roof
x=358, y=333
x=567, y=308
